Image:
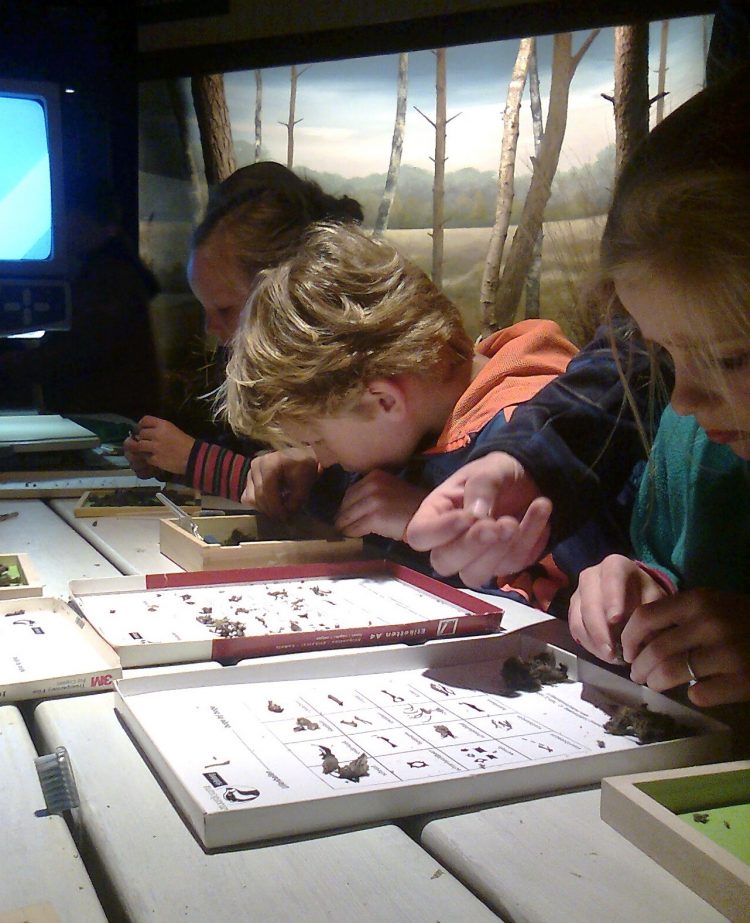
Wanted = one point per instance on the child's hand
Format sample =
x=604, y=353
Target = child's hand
x=711, y=627
x=378, y=504
x=161, y=445
x=279, y=483
x=607, y=597
x=487, y=520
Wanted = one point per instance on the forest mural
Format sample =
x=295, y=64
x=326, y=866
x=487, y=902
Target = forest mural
x=489, y=165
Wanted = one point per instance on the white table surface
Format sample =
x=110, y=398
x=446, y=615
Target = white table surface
x=553, y=860
x=158, y=871
x=131, y=543
x=39, y=861
x=543, y=860
x=58, y=553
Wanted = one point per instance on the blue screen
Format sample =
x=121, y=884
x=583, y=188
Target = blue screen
x=25, y=187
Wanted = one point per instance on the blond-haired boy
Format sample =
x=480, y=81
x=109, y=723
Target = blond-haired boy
x=352, y=353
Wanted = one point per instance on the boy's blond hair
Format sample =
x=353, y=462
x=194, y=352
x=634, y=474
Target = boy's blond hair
x=345, y=310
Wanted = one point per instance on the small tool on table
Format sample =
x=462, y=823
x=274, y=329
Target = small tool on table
x=11, y=515
x=185, y=521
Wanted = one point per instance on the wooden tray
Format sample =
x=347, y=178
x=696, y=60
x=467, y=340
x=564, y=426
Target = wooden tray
x=37, y=913
x=695, y=823
x=188, y=499
x=306, y=541
x=20, y=564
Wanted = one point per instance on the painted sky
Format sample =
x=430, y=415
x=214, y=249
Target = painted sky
x=347, y=108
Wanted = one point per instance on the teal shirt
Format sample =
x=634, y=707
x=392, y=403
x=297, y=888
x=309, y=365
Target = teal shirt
x=692, y=515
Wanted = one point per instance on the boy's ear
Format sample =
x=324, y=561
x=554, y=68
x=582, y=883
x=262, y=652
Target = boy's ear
x=386, y=395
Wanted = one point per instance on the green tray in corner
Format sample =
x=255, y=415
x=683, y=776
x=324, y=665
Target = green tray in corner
x=694, y=822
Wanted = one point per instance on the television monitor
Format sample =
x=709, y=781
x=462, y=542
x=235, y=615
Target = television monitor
x=34, y=289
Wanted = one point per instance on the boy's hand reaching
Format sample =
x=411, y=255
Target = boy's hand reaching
x=378, y=504
x=487, y=520
x=158, y=446
x=279, y=483
x=706, y=631
x=607, y=596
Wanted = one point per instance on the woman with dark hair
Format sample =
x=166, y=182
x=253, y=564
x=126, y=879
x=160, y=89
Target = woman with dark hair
x=255, y=219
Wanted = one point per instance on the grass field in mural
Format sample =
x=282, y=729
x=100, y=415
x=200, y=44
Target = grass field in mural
x=569, y=253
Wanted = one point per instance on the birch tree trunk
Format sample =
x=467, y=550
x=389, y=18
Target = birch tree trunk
x=291, y=122
x=214, y=126
x=661, y=90
x=564, y=65
x=294, y=77
x=397, y=146
x=505, y=183
x=631, y=100
x=198, y=185
x=258, y=111
x=438, y=186
x=533, y=279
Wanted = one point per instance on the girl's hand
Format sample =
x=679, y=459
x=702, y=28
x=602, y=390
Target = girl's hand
x=487, y=520
x=711, y=627
x=279, y=483
x=607, y=596
x=378, y=504
x=161, y=445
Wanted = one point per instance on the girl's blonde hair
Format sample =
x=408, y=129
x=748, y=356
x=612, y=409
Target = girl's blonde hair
x=681, y=207
x=681, y=210
x=344, y=310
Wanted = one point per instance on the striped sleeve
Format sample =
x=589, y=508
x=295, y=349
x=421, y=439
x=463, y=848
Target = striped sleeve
x=217, y=471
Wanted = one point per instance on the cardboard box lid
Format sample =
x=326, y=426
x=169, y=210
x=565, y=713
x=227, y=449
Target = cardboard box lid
x=229, y=615
x=432, y=722
x=47, y=648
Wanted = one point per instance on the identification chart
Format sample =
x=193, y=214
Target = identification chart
x=306, y=754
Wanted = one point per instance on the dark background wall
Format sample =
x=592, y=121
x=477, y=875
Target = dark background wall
x=178, y=37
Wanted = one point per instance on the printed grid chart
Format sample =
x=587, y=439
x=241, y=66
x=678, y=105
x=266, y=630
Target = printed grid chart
x=282, y=742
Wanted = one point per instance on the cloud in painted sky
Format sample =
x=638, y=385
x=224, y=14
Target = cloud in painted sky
x=347, y=108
